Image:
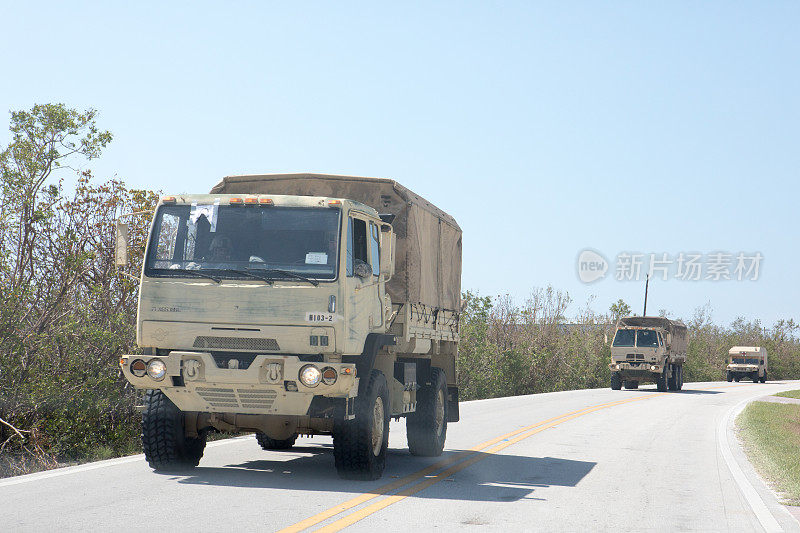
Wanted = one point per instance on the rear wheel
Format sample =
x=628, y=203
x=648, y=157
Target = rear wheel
x=359, y=445
x=630, y=384
x=680, y=377
x=426, y=429
x=274, y=444
x=755, y=378
x=166, y=446
x=764, y=378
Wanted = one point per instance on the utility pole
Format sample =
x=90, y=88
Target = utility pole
x=646, y=283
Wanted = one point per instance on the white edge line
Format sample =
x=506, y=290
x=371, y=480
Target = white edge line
x=65, y=471
x=749, y=492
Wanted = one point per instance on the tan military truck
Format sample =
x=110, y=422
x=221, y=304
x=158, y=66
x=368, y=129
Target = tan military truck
x=747, y=362
x=298, y=304
x=648, y=349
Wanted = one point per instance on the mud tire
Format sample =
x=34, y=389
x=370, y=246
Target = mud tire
x=616, y=381
x=425, y=432
x=166, y=446
x=729, y=376
x=353, y=447
x=267, y=443
x=662, y=382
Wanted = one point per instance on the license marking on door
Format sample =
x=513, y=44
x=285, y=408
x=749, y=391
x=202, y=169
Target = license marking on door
x=318, y=318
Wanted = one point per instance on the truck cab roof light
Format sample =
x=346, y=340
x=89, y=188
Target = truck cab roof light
x=266, y=201
x=251, y=201
x=235, y=201
x=334, y=203
x=168, y=199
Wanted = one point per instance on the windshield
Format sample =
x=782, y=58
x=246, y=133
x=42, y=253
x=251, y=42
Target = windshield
x=624, y=337
x=222, y=239
x=646, y=338
x=744, y=360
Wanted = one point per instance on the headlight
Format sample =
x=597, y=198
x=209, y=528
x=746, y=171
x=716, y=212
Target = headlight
x=616, y=367
x=653, y=367
x=310, y=376
x=156, y=369
x=329, y=376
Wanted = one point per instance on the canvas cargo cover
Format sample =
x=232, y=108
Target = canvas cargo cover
x=428, y=255
x=676, y=329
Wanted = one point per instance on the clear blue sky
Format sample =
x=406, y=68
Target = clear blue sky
x=544, y=128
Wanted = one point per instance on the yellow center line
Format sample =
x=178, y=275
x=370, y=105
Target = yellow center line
x=458, y=456
x=464, y=460
x=354, y=517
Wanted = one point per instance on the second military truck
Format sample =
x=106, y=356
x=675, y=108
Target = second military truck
x=648, y=349
x=298, y=304
x=747, y=362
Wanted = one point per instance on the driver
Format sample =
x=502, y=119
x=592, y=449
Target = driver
x=221, y=249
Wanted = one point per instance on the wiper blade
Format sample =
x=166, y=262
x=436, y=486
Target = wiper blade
x=290, y=274
x=250, y=275
x=195, y=273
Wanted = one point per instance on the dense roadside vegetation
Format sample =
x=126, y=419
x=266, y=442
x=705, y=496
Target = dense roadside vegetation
x=66, y=313
x=771, y=436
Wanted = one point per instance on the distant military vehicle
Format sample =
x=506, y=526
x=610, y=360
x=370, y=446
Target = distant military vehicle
x=298, y=304
x=747, y=362
x=648, y=349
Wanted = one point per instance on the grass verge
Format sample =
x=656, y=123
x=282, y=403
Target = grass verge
x=771, y=435
x=789, y=394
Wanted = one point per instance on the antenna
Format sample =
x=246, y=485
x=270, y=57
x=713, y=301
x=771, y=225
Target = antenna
x=646, y=284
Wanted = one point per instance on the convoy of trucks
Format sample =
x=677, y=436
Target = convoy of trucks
x=298, y=304
x=747, y=362
x=312, y=304
x=648, y=349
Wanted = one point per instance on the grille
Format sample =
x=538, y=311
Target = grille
x=635, y=357
x=239, y=398
x=236, y=343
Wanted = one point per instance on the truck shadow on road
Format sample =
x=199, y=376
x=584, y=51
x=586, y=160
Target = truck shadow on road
x=684, y=391
x=493, y=478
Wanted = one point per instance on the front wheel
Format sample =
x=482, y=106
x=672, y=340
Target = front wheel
x=359, y=445
x=729, y=376
x=166, y=446
x=661, y=381
x=426, y=429
x=616, y=381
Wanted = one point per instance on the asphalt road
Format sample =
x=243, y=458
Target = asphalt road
x=591, y=460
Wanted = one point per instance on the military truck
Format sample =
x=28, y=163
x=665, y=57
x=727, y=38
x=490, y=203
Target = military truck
x=297, y=304
x=747, y=362
x=648, y=349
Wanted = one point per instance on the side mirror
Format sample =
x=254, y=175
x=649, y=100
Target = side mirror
x=388, y=244
x=362, y=269
x=121, y=244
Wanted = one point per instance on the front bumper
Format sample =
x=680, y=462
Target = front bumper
x=636, y=368
x=194, y=383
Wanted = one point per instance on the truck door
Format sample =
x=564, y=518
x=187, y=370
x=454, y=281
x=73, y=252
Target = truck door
x=362, y=291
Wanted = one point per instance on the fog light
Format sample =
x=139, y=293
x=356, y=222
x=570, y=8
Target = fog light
x=156, y=369
x=310, y=376
x=290, y=386
x=329, y=376
x=138, y=368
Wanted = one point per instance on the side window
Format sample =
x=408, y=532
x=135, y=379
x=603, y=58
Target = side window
x=356, y=243
x=375, y=248
x=660, y=341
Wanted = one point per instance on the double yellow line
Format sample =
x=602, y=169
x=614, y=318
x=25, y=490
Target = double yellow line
x=456, y=462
